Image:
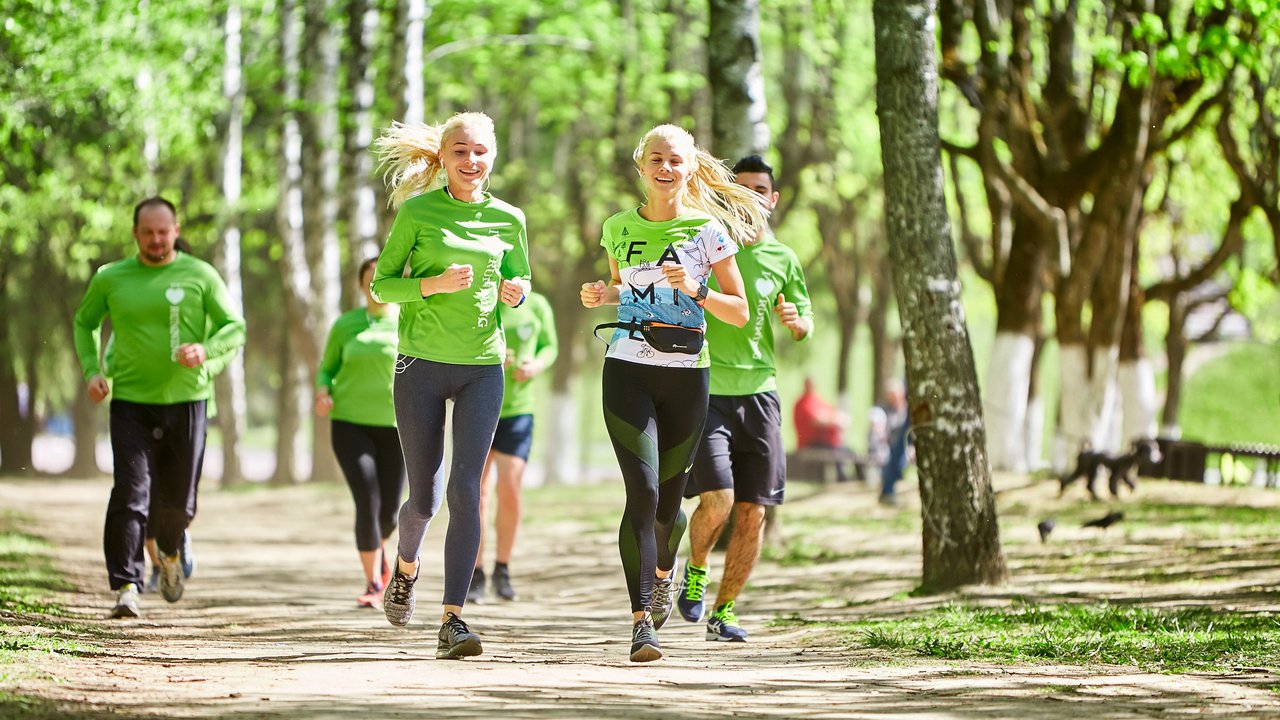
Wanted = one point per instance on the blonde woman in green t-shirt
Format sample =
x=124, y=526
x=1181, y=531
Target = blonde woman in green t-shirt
x=655, y=378
x=453, y=254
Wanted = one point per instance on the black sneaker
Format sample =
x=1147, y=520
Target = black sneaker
x=397, y=599
x=644, y=641
x=664, y=591
x=502, y=583
x=475, y=594
x=456, y=640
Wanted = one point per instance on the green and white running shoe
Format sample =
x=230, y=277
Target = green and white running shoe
x=723, y=625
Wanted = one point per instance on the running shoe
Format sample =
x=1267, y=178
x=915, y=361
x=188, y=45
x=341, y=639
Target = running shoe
x=126, y=602
x=397, y=599
x=502, y=583
x=691, y=603
x=456, y=639
x=644, y=640
x=171, y=578
x=723, y=625
x=663, y=591
x=475, y=594
x=188, y=555
x=153, y=584
x=372, y=597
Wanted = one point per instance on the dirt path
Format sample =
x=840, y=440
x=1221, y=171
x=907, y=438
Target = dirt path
x=268, y=629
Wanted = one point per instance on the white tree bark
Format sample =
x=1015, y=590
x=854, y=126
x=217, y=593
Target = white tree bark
x=1004, y=400
x=229, y=385
x=564, y=444
x=1033, y=450
x=411, y=17
x=1138, y=401
x=362, y=198
x=1088, y=401
x=739, y=113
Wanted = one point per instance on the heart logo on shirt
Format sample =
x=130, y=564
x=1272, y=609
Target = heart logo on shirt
x=174, y=295
x=764, y=286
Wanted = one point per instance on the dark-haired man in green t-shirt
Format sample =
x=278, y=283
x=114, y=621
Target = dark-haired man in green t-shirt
x=741, y=464
x=172, y=322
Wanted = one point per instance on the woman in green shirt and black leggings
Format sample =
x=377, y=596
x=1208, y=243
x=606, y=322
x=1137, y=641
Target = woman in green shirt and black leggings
x=353, y=387
x=453, y=254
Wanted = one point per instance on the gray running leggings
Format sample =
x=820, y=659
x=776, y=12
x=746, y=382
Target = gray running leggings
x=421, y=388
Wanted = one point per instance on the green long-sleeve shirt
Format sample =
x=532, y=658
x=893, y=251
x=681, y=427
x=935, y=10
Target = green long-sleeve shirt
x=358, y=368
x=531, y=335
x=742, y=361
x=431, y=232
x=154, y=310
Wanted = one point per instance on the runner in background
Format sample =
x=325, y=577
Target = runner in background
x=531, y=349
x=172, y=322
x=741, y=463
x=353, y=387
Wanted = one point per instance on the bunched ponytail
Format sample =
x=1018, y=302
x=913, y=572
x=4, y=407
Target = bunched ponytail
x=410, y=154
x=712, y=189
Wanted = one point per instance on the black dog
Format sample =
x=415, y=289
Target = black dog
x=1120, y=468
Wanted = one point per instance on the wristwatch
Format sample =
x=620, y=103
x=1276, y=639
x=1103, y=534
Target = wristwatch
x=701, y=297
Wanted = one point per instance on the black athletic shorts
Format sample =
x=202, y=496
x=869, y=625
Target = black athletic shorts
x=514, y=436
x=742, y=450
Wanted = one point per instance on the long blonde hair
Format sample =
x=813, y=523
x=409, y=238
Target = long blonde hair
x=711, y=187
x=410, y=154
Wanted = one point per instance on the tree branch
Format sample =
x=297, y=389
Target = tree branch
x=465, y=44
x=972, y=243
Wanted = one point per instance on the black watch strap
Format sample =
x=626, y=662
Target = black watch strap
x=702, y=293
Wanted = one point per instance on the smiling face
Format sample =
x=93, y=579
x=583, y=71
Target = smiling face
x=467, y=153
x=665, y=167
x=156, y=231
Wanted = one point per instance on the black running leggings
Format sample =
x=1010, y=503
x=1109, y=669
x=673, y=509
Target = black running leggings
x=374, y=468
x=654, y=416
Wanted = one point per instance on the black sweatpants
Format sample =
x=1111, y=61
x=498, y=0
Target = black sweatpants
x=654, y=416
x=374, y=468
x=158, y=452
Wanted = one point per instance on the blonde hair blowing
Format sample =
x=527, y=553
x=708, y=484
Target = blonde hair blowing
x=712, y=188
x=410, y=154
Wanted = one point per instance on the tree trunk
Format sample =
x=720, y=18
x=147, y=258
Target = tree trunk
x=362, y=194
x=85, y=424
x=884, y=349
x=321, y=143
x=738, y=119
x=960, y=532
x=15, y=451
x=1175, y=344
x=1136, y=378
x=405, y=80
x=228, y=386
x=291, y=409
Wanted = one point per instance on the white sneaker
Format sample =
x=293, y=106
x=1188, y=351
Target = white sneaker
x=126, y=602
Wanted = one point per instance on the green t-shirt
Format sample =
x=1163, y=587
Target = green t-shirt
x=154, y=310
x=640, y=247
x=742, y=358
x=358, y=368
x=531, y=335
x=431, y=232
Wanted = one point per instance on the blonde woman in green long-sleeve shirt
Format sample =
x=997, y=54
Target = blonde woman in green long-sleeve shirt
x=453, y=254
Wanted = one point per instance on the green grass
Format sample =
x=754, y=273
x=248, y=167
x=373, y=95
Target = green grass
x=1076, y=634
x=1234, y=398
x=33, y=623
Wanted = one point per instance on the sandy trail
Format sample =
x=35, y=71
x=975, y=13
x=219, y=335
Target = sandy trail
x=268, y=629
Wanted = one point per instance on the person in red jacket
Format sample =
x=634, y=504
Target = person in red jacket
x=819, y=424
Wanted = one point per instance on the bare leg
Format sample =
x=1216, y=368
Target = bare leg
x=510, y=474
x=371, y=560
x=744, y=550
x=707, y=523
x=152, y=553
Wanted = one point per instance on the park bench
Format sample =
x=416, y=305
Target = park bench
x=813, y=464
x=1186, y=460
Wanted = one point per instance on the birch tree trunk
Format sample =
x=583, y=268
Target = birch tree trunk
x=293, y=261
x=738, y=119
x=321, y=143
x=960, y=533
x=228, y=386
x=361, y=185
x=405, y=80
